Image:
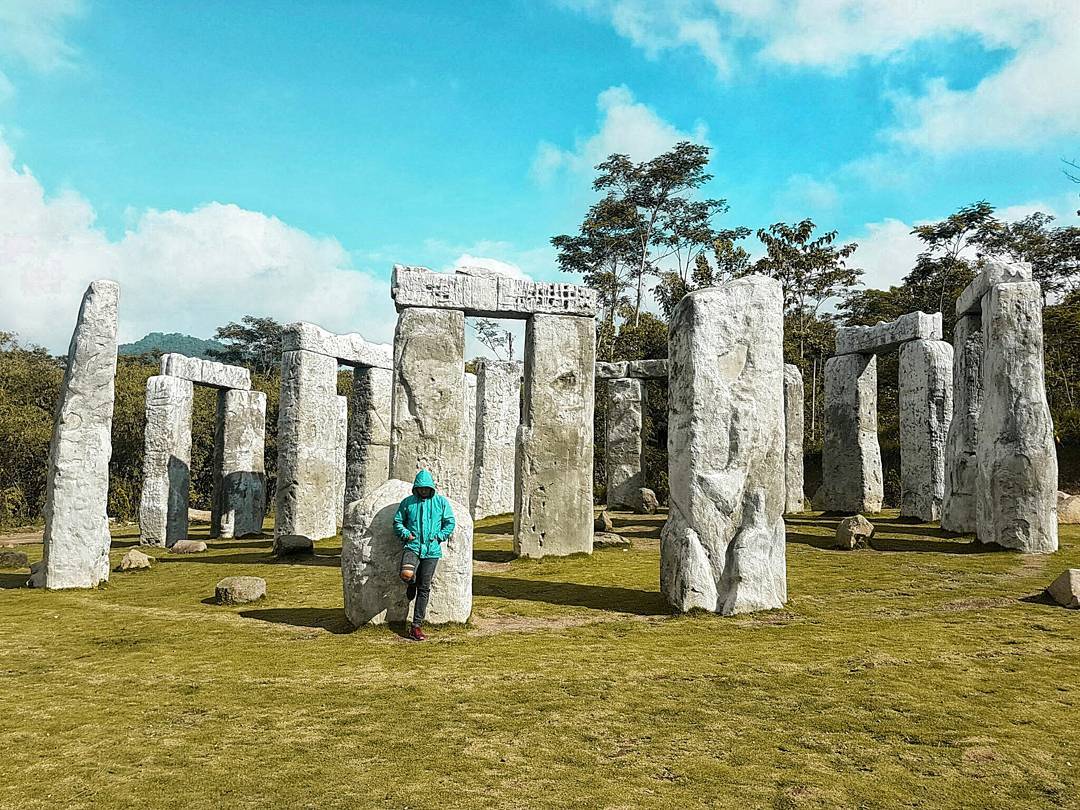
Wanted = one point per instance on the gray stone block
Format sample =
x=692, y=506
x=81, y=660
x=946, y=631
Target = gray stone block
x=350, y=349
x=883, y=338
x=205, y=372
x=794, y=496
x=498, y=405
x=994, y=271
x=240, y=475
x=624, y=459
x=368, y=454
x=163, y=503
x=926, y=410
x=961, y=471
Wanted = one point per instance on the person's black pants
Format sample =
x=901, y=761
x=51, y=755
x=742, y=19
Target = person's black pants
x=423, y=573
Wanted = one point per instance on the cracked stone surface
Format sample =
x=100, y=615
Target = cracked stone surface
x=793, y=430
x=961, y=471
x=994, y=271
x=722, y=548
x=883, y=338
x=926, y=411
x=163, y=503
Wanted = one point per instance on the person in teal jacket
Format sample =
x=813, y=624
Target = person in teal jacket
x=423, y=522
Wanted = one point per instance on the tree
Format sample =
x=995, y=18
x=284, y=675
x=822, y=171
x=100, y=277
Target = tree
x=1054, y=253
x=810, y=270
x=255, y=343
x=494, y=337
x=731, y=261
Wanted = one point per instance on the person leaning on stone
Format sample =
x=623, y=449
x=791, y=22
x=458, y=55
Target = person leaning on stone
x=423, y=522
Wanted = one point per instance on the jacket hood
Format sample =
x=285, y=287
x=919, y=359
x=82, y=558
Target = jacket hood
x=423, y=479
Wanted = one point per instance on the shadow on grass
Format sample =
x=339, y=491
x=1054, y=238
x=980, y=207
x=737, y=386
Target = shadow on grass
x=599, y=597
x=332, y=619
x=889, y=544
x=11, y=581
x=496, y=555
x=650, y=533
x=1040, y=598
x=331, y=558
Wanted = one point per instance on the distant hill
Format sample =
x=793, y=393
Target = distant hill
x=172, y=342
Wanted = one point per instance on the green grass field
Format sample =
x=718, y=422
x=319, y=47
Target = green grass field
x=925, y=673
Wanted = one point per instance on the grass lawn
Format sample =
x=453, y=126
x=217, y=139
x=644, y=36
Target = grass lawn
x=925, y=673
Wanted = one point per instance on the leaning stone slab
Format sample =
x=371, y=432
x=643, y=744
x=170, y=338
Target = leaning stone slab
x=498, y=414
x=722, y=548
x=624, y=449
x=371, y=563
x=883, y=338
x=1017, y=461
x=240, y=474
x=205, y=372
x=76, y=538
x=239, y=590
x=994, y=271
x=961, y=470
x=163, y=502
x=351, y=349
x=926, y=409
x=793, y=448
x=1065, y=590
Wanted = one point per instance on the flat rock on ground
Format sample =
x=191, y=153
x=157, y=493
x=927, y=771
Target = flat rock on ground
x=13, y=559
x=135, y=560
x=1065, y=590
x=854, y=532
x=239, y=590
x=609, y=540
x=188, y=547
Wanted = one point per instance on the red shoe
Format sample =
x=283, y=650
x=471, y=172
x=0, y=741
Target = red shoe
x=416, y=634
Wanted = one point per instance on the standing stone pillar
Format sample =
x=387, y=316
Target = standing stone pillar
x=961, y=470
x=851, y=478
x=498, y=414
x=722, y=548
x=429, y=399
x=624, y=449
x=368, y=454
x=307, y=448
x=163, y=504
x=240, y=498
x=468, y=424
x=926, y=408
x=76, y=539
x=553, y=512
x=793, y=429
x=1017, y=463
x=341, y=442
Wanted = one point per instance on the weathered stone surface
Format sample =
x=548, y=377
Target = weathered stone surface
x=351, y=349
x=722, y=548
x=994, y=271
x=205, y=372
x=851, y=455
x=163, y=503
x=854, y=532
x=883, y=338
x=498, y=414
x=603, y=523
x=1017, y=462
x=553, y=512
x=642, y=501
x=429, y=399
x=239, y=590
x=1068, y=508
x=961, y=469
x=76, y=538
x=307, y=446
x=371, y=563
x=293, y=545
x=367, y=464
x=135, y=560
x=634, y=369
x=13, y=559
x=240, y=475
x=624, y=456
x=468, y=427
x=199, y=515
x=495, y=295
x=188, y=547
x=926, y=409
x=794, y=496
x=1065, y=590
x=603, y=540
x=341, y=442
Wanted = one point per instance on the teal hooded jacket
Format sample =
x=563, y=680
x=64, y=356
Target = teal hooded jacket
x=429, y=522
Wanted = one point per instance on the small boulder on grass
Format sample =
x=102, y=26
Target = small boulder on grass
x=643, y=501
x=13, y=559
x=854, y=532
x=1068, y=508
x=609, y=540
x=1065, y=590
x=293, y=545
x=239, y=590
x=188, y=547
x=603, y=522
x=135, y=560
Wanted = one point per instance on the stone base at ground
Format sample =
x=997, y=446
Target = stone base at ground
x=239, y=590
x=1065, y=590
x=854, y=532
x=371, y=563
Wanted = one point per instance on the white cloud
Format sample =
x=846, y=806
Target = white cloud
x=804, y=195
x=1030, y=99
x=31, y=31
x=626, y=126
x=178, y=271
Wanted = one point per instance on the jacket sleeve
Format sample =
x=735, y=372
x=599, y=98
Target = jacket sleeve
x=447, y=527
x=399, y=521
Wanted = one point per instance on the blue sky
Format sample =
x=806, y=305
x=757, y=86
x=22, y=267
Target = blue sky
x=277, y=158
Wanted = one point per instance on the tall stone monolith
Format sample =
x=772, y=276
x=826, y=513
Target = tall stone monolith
x=368, y=454
x=498, y=413
x=624, y=450
x=926, y=410
x=722, y=548
x=851, y=479
x=429, y=399
x=553, y=512
x=794, y=496
x=163, y=503
x=958, y=505
x=468, y=425
x=1017, y=463
x=76, y=538
x=307, y=441
x=340, y=453
x=240, y=499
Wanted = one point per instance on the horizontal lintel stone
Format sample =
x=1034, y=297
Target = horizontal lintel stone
x=993, y=272
x=488, y=294
x=205, y=372
x=633, y=369
x=351, y=349
x=882, y=338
